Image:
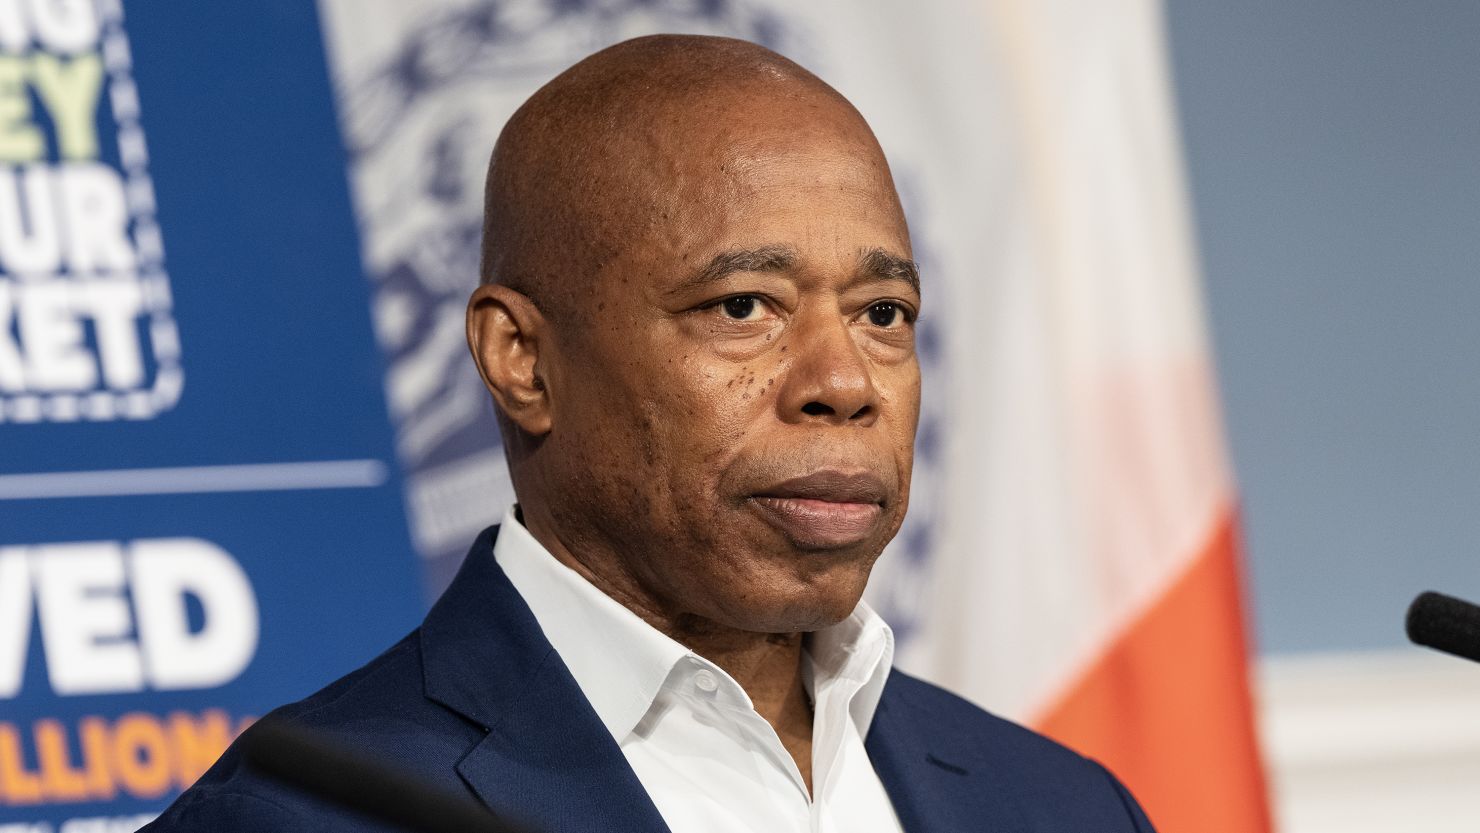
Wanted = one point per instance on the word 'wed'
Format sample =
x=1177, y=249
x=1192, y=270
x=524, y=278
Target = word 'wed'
x=96, y=643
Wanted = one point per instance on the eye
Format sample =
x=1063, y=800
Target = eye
x=886, y=314
x=742, y=307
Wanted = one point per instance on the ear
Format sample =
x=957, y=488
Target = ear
x=506, y=333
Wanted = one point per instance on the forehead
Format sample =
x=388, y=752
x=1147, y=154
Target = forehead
x=740, y=138
x=762, y=172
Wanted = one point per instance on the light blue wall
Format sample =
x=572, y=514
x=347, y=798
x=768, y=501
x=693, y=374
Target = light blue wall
x=1334, y=153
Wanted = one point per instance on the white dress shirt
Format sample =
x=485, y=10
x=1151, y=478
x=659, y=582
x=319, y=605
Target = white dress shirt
x=707, y=759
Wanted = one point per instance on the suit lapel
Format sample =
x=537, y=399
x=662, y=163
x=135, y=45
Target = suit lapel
x=568, y=776
x=933, y=786
x=547, y=759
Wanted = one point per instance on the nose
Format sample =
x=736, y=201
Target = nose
x=829, y=379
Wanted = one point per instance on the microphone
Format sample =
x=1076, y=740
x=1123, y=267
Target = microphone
x=1445, y=623
x=301, y=759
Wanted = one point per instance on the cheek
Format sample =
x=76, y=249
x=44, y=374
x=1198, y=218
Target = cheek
x=697, y=422
x=901, y=397
x=899, y=389
x=704, y=411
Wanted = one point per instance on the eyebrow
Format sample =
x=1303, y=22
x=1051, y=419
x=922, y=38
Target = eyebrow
x=874, y=264
x=764, y=259
x=885, y=265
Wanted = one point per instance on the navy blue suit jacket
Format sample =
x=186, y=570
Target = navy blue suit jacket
x=477, y=701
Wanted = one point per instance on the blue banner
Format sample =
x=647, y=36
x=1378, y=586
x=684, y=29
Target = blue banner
x=200, y=512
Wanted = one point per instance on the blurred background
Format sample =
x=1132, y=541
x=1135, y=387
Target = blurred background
x=1199, y=306
x=1329, y=151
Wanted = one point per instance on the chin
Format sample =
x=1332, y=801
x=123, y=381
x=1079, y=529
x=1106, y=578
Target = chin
x=804, y=607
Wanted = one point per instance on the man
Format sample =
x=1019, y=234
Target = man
x=696, y=322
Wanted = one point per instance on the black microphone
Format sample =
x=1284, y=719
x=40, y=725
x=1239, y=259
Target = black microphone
x=301, y=759
x=1445, y=623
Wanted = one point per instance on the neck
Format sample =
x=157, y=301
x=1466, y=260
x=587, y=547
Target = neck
x=767, y=666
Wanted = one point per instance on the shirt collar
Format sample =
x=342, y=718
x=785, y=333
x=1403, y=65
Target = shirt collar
x=621, y=662
x=856, y=654
x=618, y=660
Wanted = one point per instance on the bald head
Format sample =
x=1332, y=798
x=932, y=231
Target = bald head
x=610, y=154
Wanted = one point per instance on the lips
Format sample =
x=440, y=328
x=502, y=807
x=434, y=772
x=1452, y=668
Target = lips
x=824, y=510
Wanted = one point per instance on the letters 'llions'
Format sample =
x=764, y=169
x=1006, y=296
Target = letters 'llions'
x=137, y=755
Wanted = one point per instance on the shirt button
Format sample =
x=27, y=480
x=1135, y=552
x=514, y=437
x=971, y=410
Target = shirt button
x=705, y=681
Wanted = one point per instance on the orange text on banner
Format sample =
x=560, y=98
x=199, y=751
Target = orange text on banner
x=139, y=755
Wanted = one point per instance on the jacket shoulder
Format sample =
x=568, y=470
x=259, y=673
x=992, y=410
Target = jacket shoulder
x=1054, y=786
x=378, y=709
x=226, y=810
x=938, y=711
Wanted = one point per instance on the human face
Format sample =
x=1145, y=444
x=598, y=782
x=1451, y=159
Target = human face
x=734, y=422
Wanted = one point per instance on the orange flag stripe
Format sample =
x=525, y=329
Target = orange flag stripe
x=1168, y=708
